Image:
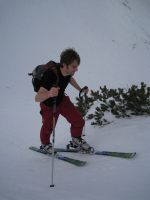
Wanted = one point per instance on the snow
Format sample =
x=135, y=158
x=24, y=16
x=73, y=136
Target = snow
x=113, y=40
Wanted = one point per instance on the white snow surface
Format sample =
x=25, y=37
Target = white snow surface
x=113, y=40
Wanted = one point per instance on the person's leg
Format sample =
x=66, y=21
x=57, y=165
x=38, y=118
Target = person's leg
x=47, y=126
x=73, y=116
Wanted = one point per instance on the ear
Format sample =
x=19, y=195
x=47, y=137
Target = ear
x=63, y=65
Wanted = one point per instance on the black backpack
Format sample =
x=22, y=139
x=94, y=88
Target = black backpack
x=38, y=73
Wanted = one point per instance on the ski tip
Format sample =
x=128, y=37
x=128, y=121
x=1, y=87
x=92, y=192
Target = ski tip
x=83, y=163
x=130, y=155
x=133, y=155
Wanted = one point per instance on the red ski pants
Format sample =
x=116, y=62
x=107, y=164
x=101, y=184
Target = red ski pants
x=67, y=110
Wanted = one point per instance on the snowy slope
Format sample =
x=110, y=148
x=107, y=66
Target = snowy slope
x=113, y=39
x=26, y=174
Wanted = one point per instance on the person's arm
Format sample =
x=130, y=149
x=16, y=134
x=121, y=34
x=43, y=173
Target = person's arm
x=43, y=94
x=75, y=84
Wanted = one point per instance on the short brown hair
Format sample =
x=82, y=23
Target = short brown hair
x=68, y=56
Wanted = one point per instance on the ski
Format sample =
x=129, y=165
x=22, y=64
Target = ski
x=127, y=155
x=76, y=162
x=116, y=154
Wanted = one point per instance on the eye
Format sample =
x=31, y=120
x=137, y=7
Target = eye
x=74, y=67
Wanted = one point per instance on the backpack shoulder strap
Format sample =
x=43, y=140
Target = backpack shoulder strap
x=53, y=66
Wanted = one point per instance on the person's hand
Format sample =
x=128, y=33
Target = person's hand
x=83, y=92
x=53, y=92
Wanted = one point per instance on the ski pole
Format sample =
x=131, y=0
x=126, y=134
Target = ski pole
x=53, y=142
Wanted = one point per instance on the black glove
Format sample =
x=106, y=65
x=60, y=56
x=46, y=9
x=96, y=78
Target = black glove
x=82, y=91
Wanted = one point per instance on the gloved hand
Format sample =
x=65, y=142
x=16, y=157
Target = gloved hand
x=83, y=92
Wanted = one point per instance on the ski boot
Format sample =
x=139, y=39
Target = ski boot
x=80, y=145
x=47, y=148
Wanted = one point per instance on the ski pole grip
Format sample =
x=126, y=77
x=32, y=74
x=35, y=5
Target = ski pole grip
x=81, y=92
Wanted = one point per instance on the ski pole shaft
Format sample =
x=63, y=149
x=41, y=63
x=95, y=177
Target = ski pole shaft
x=53, y=143
x=52, y=167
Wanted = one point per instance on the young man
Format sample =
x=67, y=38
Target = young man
x=53, y=86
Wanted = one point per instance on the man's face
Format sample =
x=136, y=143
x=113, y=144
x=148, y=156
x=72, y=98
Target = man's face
x=71, y=68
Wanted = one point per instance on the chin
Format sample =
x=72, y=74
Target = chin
x=72, y=73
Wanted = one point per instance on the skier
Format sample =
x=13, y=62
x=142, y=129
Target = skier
x=52, y=90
